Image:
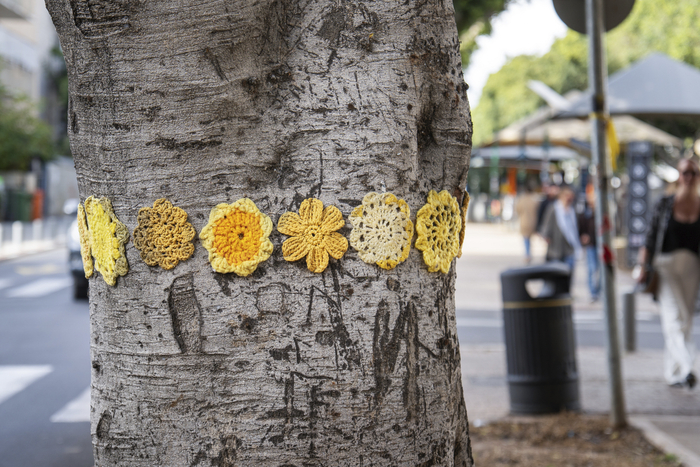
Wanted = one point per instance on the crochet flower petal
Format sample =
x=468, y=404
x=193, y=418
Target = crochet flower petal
x=107, y=238
x=317, y=259
x=290, y=224
x=163, y=235
x=439, y=224
x=332, y=219
x=311, y=211
x=382, y=230
x=336, y=245
x=295, y=248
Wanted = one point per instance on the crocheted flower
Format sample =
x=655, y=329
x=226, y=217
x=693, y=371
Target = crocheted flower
x=438, y=224
x=84, y=235
x=163, y=235
x=237, y=237
x=465, y=206
x=107, y=239
x=382, y=230
x=313, y=234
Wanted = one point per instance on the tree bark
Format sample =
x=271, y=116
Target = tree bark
x=275, y=100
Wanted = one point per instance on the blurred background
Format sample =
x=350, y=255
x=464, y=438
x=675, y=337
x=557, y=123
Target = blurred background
x=528, y=79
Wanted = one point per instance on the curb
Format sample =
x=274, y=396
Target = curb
x=29, y=248
x=663, y=441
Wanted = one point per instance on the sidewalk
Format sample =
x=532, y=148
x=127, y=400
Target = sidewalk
x=670, y=418
x=26, y=238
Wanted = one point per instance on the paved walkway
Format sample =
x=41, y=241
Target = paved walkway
x=670, y=417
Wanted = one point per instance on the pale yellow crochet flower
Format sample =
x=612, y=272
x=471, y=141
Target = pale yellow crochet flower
x=163, y=235
x=107, y=239
x=438, y=224
x=237, y=237
x=382, y=230
x=313, y=234
x=84, y=235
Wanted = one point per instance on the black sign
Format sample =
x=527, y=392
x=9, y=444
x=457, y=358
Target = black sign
x=639, y=154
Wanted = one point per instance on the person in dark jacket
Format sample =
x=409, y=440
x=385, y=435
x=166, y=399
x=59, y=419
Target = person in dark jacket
x=587, y=234
x=673, y=249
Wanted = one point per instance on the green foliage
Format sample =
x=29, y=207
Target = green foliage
x=667, y=27
x=23, y=136
x=473, y=19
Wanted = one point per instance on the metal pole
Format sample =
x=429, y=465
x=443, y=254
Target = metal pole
x=597, y=76
x=629, y=318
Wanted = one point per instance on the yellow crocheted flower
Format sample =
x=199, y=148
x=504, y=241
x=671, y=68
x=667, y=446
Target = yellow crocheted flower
x=237, y=237
x=107, y=239
x=438, y=224
x=382, y=230
x=465, y=206
x=84, y=235
x=313, y=234
x=163, y=235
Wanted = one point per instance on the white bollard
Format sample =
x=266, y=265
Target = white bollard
x=17, y=233
x=37, y=230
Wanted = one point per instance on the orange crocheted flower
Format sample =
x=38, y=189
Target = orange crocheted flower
x=313, y=234
x=237, y=237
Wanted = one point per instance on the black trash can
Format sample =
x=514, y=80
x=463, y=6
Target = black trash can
x=540, y=343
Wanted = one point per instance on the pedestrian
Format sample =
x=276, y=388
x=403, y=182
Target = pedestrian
x=587, y=236
x=672, y=247
x=551, y=193
x=526, y=208
x=560, y=230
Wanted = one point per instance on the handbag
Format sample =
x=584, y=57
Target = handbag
x=651, y=284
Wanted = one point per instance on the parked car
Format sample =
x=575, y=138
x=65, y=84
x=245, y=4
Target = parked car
x=75, y=260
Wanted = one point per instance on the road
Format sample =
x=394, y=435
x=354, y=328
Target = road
x=44, y=365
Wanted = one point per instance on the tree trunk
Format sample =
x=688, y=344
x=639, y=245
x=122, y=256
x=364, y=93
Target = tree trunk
x=276, y=101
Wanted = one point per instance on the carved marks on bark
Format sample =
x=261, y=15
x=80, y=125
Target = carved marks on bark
x=102, y=18
x=186, y=314
x=386, y=346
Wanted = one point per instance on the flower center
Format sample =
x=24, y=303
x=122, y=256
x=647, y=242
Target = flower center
x=313, y=235
x=238, y=236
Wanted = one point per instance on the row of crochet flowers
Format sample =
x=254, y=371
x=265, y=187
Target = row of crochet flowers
x=237, y=235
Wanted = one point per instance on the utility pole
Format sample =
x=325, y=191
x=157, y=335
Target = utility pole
x=597, y=76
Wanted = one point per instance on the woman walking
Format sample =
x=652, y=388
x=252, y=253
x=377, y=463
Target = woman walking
x=672, y=247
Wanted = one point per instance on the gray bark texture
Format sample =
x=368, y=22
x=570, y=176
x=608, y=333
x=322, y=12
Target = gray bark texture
x=275, y=100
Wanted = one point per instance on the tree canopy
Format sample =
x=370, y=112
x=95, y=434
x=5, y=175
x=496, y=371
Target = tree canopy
x=473, y=19
x=667, y=27
x=23, y=135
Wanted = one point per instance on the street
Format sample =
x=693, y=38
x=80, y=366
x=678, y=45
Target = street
x=44, y=365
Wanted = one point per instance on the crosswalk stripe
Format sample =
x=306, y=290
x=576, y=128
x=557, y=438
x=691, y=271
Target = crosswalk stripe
x=77, y=410
x=40, y=287
x=14, y=378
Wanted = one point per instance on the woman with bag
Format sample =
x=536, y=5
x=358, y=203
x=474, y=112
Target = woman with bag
x=672, y=252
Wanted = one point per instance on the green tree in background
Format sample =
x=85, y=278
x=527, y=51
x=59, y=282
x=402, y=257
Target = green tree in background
x=653, y=26
x=23, y=136
x=473, y=19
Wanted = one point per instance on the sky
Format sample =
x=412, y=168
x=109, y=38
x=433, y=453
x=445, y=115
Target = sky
x=526, y=27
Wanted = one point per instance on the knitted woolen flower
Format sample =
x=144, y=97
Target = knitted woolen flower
x=237, y=237
x=84, y=236
x=465, y=207
x=163, y=235
x=107, y=239
x=313, y=234
x=382, y=230
x=438, y=224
